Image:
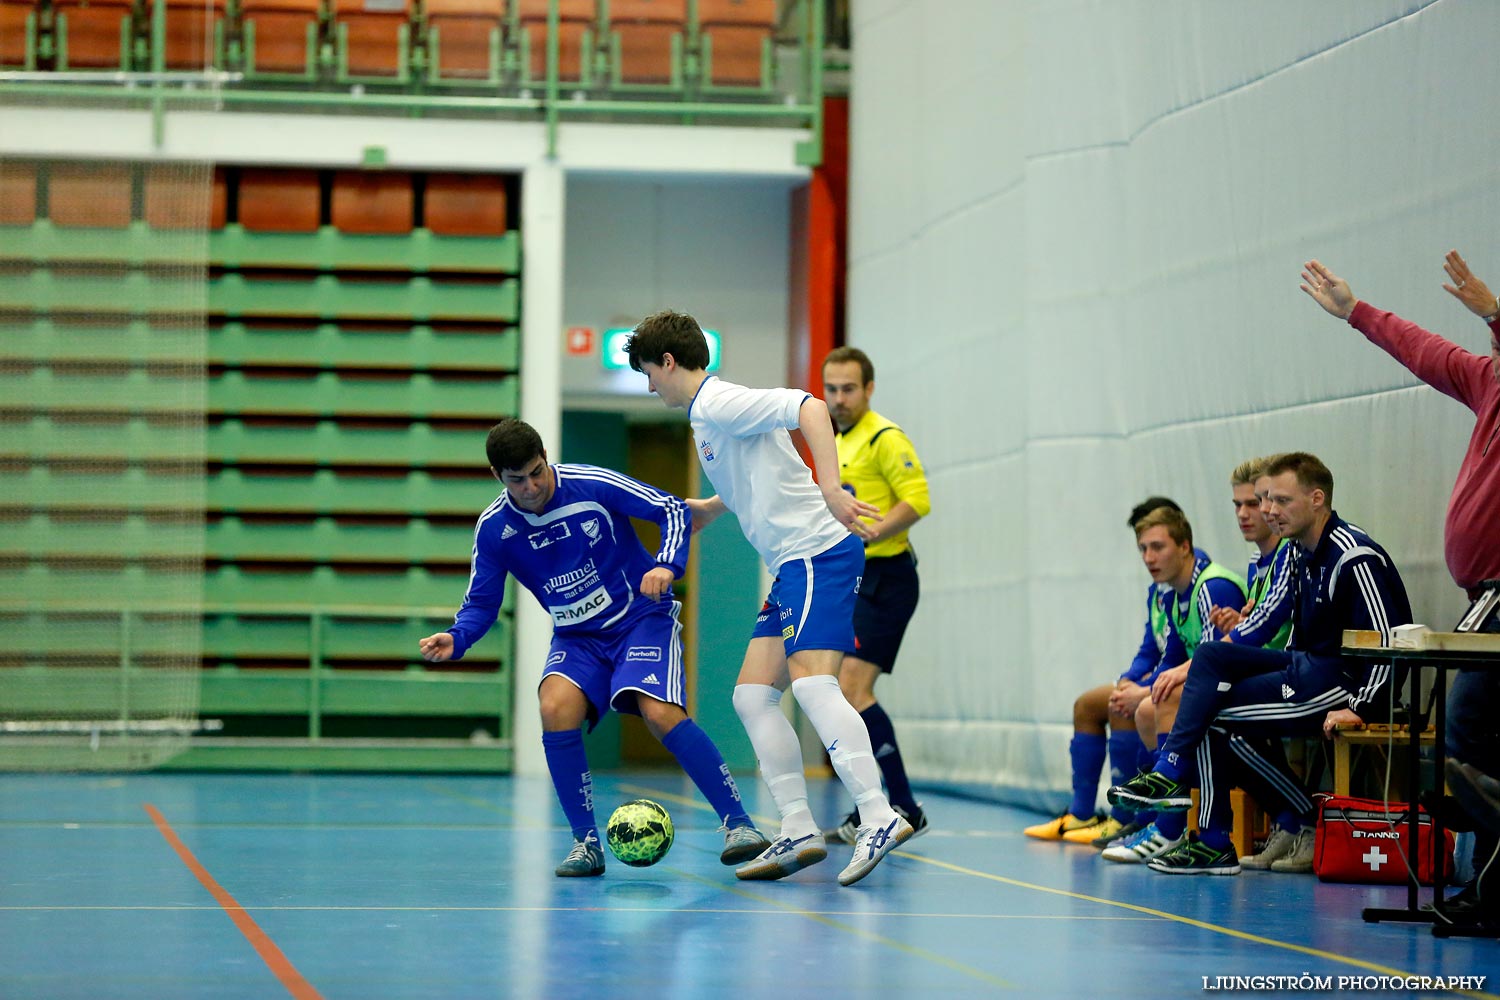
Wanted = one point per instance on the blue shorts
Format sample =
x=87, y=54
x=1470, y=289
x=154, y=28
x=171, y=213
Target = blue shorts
x=643, y=655
x=811, y=604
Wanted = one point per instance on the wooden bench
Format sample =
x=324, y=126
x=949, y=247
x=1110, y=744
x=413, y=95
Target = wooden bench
x=1374, y=735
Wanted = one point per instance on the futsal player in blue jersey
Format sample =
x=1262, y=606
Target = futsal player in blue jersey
x=564, y=532
x=811, y=538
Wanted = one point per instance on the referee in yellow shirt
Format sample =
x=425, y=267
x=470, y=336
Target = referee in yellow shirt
x=878, y=464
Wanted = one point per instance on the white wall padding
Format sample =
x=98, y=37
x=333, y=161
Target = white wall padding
x=1076, y=232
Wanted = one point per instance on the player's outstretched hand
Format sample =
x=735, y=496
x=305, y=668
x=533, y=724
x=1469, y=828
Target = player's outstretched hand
x=1471, y=291
x=1328, y=289
x=657, y=582
x=847, y=509
x=437, y=648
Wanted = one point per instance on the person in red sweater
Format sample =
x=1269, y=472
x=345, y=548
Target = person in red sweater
x=1471, y=537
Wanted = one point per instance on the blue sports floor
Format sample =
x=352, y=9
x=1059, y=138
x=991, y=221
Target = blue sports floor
x=264, y=886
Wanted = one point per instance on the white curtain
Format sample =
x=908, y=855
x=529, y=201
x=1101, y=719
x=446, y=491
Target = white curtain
x=1076, y=232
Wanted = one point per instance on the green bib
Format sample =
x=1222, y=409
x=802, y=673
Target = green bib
x=1190, y=625
x=1258, y=590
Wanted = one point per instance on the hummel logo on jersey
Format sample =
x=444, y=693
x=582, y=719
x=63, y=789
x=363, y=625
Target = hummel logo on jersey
x=650, y=679
x=1287, y=692
x=507, y=532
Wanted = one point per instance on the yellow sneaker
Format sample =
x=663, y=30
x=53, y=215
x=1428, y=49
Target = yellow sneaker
x=1055, y=829
x=1110, y=829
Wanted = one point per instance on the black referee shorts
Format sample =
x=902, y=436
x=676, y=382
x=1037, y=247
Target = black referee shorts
x=888, y=595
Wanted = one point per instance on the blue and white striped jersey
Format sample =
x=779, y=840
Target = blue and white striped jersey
x=580, y=557
x=1274, y=609
x=1347, y=582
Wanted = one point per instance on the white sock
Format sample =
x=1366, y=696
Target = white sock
x=779, y=753
x=843, y=732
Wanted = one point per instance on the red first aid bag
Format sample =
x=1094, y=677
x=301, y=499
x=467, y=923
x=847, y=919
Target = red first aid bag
x=1367, y=840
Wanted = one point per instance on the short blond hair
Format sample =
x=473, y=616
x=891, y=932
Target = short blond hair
x=1251, y=469
x=1175, y=521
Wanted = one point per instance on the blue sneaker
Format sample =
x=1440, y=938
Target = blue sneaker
x=874, y=843
x=585, y=859
x=784, y=856
x=1141, y=846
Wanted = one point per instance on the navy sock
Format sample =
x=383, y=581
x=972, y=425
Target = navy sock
x=1087, y=752
x=888, y=756
x=1171, y=825
x=1161, y=741
x=1289, y=821
x=1217, y=839
x=569, y=767
x=1124, y=750
x=705, y=765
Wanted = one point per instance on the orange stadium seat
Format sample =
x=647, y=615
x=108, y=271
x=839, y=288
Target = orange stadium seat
x=190, y=40
x=166, y=208
x=464, y=30
x=89, y=195
x=644, y=31
x=91, y=32
x=575, y=17
x=280, y=201
x=13, y=15
x=371, y=202
x=735, y=31
x=17, y=193
x=465, y=204
x=280, y=28
x=372, y=31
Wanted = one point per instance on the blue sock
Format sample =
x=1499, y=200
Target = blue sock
x=1145, y=759
x=705, y=765
x=1161, y=741
x=888, y=756
x=569, y=766
x=1171, y=824
x=1124, y=750
x=1289, y=821
x=1087, y=752
x=1217, y=839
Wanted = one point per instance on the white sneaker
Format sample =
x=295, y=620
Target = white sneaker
x=784, y=856
x=1300, y=859
x=1279, y=845
x=872, y=844
x=1141, y=847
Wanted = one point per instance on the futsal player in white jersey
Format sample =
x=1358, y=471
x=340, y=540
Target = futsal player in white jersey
x=811, y=540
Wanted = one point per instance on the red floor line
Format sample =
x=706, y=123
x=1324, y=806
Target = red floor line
x=278, y=963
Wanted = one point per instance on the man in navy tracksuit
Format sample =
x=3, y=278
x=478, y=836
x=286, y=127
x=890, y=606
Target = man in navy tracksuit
x=1343, y=580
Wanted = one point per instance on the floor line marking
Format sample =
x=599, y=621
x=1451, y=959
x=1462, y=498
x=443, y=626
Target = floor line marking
x=613, y=909
x=1191, y=922
x=277, y=962
x=912, y=950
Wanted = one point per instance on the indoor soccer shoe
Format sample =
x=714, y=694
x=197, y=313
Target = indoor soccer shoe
x=586, y=858
x=1054, y=829
x=1123, y=833
x=741, y=844
x=1106, y=831
x=1194, y=857
x=784, y=856
x=872, y=844
x=845, y=832
x=1152, y=790
x=1141, y=846
x=917, y=819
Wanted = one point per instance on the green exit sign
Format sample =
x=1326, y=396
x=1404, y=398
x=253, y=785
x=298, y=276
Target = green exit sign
x=614, y=356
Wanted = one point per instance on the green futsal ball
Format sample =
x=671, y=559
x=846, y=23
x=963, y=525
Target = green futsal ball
x=640, y=833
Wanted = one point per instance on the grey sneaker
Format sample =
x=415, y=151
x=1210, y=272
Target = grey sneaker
x=585, y=859
x=1300, y=859
x=872, y=844
x=845, y=832
x=741, y=844
x=785, y=856
x=1279, y=845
